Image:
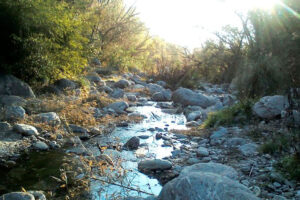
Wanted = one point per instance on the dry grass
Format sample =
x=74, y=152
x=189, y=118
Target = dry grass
x=196, y=131
x=73, y=111
x=142, y=91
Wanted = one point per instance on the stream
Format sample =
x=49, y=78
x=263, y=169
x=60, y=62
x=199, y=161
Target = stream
x=150, y=148
x=34, y=169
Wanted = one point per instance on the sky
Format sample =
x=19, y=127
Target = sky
x=191, y=22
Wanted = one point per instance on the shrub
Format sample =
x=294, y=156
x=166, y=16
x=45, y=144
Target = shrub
x=43, y=40
x=290, y=166
x=236, y=114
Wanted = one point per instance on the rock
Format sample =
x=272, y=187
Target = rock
x=42, y=146
x=4, y=126
x=205, y=186
x=137, y=80
x=188, y=97
x=131, y=98
x=192, y=161
x=106, y=89
x=10, y=100
x=38, y=195
x=122, y=84
x=132, y=144
x=95, y=131
x=215, y=168
x=153, y=88
x=104, y=71
x=25, y=129
x=13, y=113
x=77, y=129
x=158, y=135
x=119, y=107
x=144, y=137
x=235, y=142
x=138, y=86
x=65, y=84
x=164, y=95
x=50, y=118
x=161, y=83
x=117, y=93
x=17, y=196
x=202, y=152
x=192, y=124
x=51, y=89
x=193, y=116
x=217, y=137
x=153, y=165
x=248, y=149
x=278, y=197
x=269, y=107
x=10, y=85
x=93, y=77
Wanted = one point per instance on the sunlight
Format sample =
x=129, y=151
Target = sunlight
x=255, y=4
x=191, y=23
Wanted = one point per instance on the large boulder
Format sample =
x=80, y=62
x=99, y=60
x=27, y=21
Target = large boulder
x=269, y=107
x=25, y=129
x=122, y=84
x=164, y=95
x=153, y=88
x=13, y=113
x=161, y=83
x=119, y=107
x=187, y=97
x=117, y=93
x=10, y=85
x=17, y=196
x=193, y=116
x=137, y=80
x=50, y=118
x=215, y=168
x=11, y=100
x=205, y=186
x=41, y=146
x=93, y=77
x=154, y=165
x=65, y=84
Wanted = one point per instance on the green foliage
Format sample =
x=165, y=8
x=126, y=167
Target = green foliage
x=272, y=62
x=48, y=34
x=282, y=144
x=290, y=166
x=260, y=77
x=236, y=114
x=271, y=147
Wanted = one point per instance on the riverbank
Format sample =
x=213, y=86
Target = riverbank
x=122, y=128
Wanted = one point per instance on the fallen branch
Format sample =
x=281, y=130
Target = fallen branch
x=127, y=187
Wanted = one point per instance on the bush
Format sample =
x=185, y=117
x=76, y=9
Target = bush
x=290, y=166
x=264, y=76
x=236, y=114
x=43, y=40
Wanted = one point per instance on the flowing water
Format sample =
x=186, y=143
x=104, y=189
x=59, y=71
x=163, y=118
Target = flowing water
x=151, y=148
x=34, y=170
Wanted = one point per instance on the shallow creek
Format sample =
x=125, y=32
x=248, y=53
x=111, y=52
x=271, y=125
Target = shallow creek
x=35, y=169
x=150, y=148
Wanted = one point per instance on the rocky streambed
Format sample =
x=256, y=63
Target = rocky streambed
x=151, y=159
